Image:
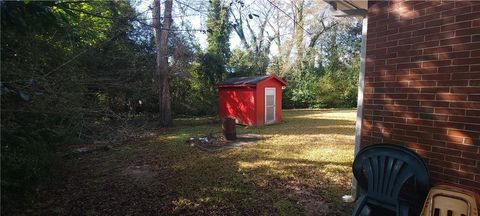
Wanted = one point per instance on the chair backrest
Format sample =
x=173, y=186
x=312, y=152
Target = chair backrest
x=449, y=200
x=383, y=169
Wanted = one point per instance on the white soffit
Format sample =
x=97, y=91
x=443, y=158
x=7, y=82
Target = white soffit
x=349, y=7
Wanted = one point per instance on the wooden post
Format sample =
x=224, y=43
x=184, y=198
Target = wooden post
x=229, y=128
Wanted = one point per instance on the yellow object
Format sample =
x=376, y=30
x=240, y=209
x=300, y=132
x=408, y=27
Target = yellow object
x=444, y=200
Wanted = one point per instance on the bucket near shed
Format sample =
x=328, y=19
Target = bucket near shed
x=229, y=128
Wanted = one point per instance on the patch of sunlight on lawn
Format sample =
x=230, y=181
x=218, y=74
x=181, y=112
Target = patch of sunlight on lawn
x=333, y=154
x=257, y=164
x=312, y=147
x=322, y=114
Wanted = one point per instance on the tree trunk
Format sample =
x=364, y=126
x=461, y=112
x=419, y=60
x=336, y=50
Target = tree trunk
x=161, y=41
x=299, y=17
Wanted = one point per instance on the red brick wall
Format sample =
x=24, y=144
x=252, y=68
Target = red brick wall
x=422, y=84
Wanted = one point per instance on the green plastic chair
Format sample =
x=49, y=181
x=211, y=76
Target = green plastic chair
x=383, y=171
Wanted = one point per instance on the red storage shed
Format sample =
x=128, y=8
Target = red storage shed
x=253, y=101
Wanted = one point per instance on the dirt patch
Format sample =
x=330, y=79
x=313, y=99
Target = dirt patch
x=312, y=203
x=139, y=174
x=309, y=199
x=218, y=142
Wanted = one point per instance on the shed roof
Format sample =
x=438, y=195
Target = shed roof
x=248, y=81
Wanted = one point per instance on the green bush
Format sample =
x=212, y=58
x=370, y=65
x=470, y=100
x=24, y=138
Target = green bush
x=29, y=145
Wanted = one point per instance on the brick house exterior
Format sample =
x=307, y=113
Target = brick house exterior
x=422, y=84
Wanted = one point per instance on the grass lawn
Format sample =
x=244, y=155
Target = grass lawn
x=302, y=167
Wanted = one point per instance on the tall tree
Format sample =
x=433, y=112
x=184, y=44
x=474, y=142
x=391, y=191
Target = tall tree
x=218, y=38
x=162, y=73
x=299, y=28
x=251, y=28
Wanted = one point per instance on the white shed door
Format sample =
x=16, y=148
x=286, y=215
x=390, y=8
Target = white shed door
x=269, y=105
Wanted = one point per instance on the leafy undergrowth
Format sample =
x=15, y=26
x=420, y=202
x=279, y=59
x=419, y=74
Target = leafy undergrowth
x=303, y=168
